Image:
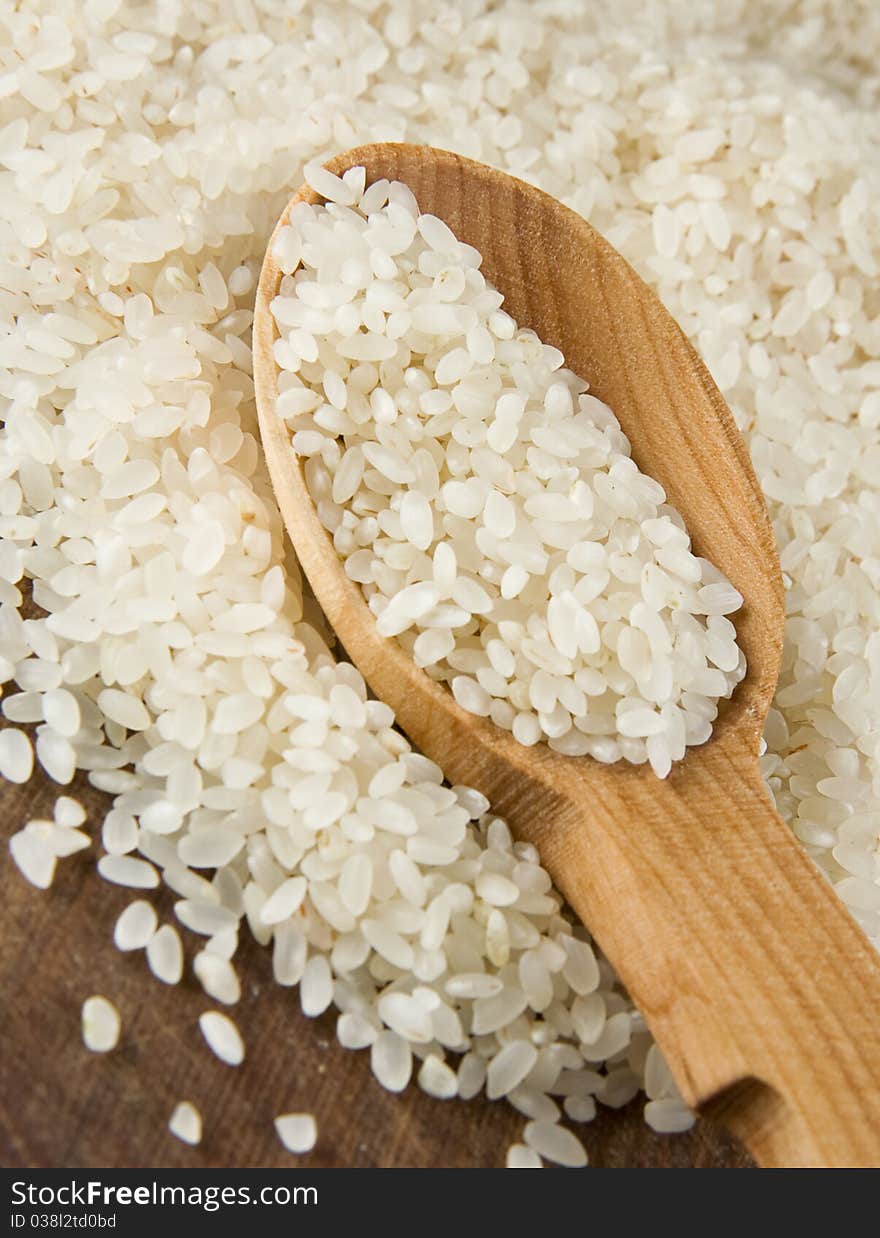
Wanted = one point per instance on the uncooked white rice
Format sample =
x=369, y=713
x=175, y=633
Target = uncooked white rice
x=437, y=1078
x=34, y=858
x=68, y=812
x=316, y=986
x=127, y=870
x=16, y=755
x=185, y=1123
x=100, y=1024
x=484, y=501
x=583, y=1109
x=297, y=1131
x=165, y=954
x=61, y=841
x=135, y=927
x=217, y=977
x=391, y=1060
x=521, y=1157
x=668, y=1116
x=222, y=1036
x=555, y=1143
x=144, y=166
x=509, y=1067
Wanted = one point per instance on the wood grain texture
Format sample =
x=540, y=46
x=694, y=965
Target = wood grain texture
x=760, y=988
x=61, y=1106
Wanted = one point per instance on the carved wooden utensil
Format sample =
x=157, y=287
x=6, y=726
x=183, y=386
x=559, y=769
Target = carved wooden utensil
x=760, y=989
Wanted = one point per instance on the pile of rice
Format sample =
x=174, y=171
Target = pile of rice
x=486, y=503
x=730, y=152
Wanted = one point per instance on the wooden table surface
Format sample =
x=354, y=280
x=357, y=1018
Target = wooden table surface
x=61, y=1106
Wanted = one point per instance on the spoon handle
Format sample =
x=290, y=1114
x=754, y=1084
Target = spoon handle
x=761, y=990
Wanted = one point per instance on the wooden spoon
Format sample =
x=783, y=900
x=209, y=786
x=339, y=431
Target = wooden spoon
x=760, y=989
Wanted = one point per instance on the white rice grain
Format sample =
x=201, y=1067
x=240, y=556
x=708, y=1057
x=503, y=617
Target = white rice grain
x=126, y=870
x=165, y=955
x=33, y=857
x=223, y=1037
x=218, y=977
x=16, y=755
x=185, y=1123
x=297, y=1131
x=135, y=927
x=521, y=1157
x=100, y=1024
x=437, y=1078
x=668, y=1117
x=555, y=1143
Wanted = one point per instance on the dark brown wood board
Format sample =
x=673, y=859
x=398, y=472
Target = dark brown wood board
x=61, y=1106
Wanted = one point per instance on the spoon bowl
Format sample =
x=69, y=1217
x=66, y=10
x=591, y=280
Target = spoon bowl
x=725, y=934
